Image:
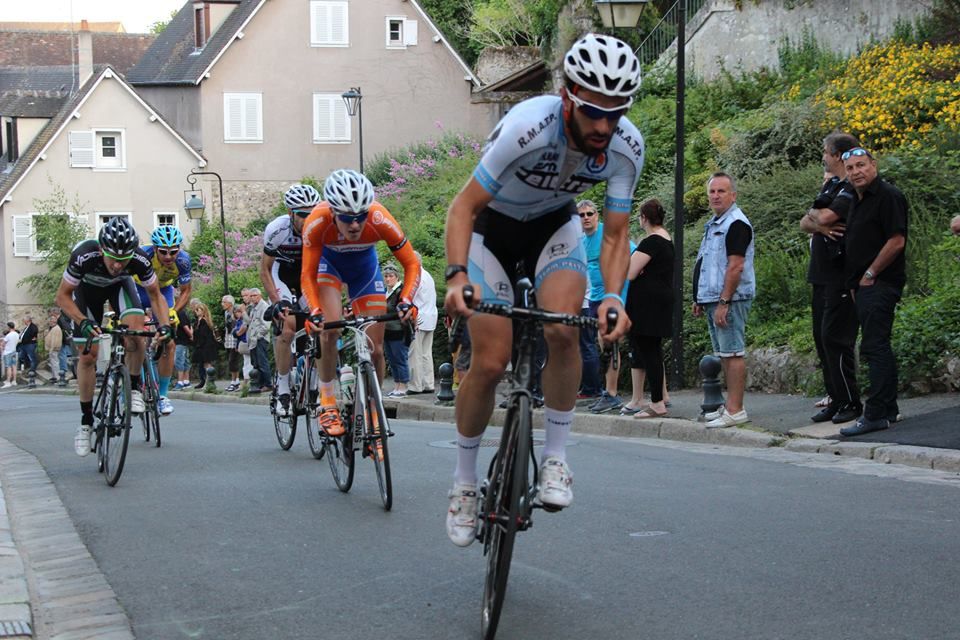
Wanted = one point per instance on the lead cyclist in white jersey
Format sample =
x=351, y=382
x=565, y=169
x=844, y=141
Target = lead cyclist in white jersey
x=519, y=206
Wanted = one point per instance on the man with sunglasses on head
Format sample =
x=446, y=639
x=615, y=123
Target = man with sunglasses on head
x=101, y=271
x=519, y=206
x=339, y=248
x=876, y=274
x=173, y=267
x=280, y=268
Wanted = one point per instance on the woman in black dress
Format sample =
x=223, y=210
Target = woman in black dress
x=204, y=342
x=650, y=308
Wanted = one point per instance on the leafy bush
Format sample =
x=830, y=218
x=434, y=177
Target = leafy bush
x=57, y=229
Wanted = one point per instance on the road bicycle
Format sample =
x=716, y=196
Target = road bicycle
x=111, y=409
x=508, y=493
x=304, y=397
x=362, y=412
x=150, y=418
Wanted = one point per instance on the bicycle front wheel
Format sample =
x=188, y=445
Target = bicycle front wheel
x=505, y=494
x=311, y=403
x=339, y=452
x=284, y=426
x=117, y=433
x=376, y=435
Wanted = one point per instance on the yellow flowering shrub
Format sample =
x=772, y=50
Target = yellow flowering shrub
x=894, y=95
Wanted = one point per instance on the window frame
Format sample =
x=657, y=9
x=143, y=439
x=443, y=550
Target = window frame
x=34, y=253
x=121, y=149
x=336, y=99
x=99, y=218
x=157, y=214
x=243, y=95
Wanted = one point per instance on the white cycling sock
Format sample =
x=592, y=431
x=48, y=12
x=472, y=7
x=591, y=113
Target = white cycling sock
x=467, y=451
x=283, y=383
x=557, y=426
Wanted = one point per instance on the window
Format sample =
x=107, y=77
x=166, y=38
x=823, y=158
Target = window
x=201, y=25
x=98, y=149
x=401, y=33
x=166, y=217
x=243, y=117
x=28, y=239
x=331, y=124
x=329, y=23
x=13, y=145
x=105, y=217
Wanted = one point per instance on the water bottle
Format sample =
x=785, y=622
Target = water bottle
x=297, y=374
x=347, y=380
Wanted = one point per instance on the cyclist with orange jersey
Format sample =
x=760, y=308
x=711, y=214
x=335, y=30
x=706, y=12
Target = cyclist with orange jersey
x=339, y=248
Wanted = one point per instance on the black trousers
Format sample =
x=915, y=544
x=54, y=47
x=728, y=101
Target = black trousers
x=839, y=327
x=875, y=308
x=648, y=355
x=817, y=305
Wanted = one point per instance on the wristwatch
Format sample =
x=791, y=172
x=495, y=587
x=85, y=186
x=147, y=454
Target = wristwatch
x=869, y=275
x=723, y=301
x=452, y=270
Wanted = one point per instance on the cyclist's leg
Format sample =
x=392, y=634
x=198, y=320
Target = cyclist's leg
x=360, y=271
x=281, y=346
x=129, y=312
x=90, y=302
x=165, y=364
x=373, y=305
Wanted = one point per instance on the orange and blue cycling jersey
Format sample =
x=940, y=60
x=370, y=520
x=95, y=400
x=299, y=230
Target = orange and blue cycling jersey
x=330, y=260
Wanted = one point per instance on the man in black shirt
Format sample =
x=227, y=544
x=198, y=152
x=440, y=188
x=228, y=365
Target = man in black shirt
x=876, y=274
x=28, y=347
x=834, y=313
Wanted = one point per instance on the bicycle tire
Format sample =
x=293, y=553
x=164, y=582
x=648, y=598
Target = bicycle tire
x=151, y=398
x=284, y=427
x=117, y=433
x=506, y=493
x=376, y=435
x=311, y=410
x=340, y=454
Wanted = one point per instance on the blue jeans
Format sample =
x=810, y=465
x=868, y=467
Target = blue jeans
x=29, y=353
x=396, y=353
x=181, y=359
x=258, y=356
x=875, y=308
x=590, y=382
x=65, y=352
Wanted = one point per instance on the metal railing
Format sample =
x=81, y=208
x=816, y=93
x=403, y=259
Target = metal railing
x=665, y=32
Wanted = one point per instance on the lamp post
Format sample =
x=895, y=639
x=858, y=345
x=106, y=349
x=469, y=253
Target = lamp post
x=619, y=13
x=194, y=207
x=354, y=99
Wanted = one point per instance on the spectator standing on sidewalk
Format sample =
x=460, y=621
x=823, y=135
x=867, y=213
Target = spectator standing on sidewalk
x=834, y=313
x=590, y=385
x=724, y=286
x=11, y=338
x=227, y=304
x=876, y=274
x=420, y=355
x=395, y=341
x=28, y=347
x=204, y=342
x=258, y=337
x=66, y=351
x=183, y=341
x=52, y=343
x=242, y=351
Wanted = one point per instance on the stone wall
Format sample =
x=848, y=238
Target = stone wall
x=721, y=36
x=496, y=63
x=243, y=201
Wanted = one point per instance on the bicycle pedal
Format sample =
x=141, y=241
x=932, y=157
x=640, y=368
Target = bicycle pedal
x=549, y=508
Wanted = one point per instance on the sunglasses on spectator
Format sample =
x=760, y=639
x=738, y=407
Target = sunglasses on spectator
x=584, y=214
x=596, y=112
x=168, y=252
x=349, y=218
x=857, y=151
x=301, y=213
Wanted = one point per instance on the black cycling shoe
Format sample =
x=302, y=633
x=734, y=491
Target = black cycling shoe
x=284, y=404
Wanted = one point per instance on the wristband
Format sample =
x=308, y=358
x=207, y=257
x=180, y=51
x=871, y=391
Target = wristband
x=614, y=295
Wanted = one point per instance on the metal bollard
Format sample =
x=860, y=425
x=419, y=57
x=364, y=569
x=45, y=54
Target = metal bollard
x=445, y=395
x=712, y=391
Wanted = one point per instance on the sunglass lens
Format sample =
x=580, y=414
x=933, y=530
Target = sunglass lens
x=349, y=219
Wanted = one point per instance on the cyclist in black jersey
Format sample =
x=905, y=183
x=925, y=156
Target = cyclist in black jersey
x=280, y=274
x=101, y=271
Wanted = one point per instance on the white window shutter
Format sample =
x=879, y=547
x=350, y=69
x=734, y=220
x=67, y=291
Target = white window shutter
x=318, y=22
x=330, y=120
x=409, y=32
x=232, y=121
x=82, y=145
x=338, y=23
x=252, y=119
x=242, y=117
x=23, y=236
x=341, y=121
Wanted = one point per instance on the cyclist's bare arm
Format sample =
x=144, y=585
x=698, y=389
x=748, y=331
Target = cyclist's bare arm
x=464, y=209
x=614, y=260
x=266, y=277
x=157, y=302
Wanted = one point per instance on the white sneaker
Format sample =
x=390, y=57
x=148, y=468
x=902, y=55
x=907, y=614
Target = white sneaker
x=556, y=481
x=729, y=420
x=81, y=441
x=713, y=415
x=462, y=515
x=165, y=406
x=136, y=402
x=6, y=385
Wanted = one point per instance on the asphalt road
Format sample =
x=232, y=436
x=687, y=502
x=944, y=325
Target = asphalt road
x=220, y=534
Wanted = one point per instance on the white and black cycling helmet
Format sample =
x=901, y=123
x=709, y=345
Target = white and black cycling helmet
x=118, y=239
x=348, y=191
x=301, y=196
x=603, y=64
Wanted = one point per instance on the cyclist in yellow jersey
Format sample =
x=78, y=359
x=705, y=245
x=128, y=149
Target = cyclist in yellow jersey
x=173, y=268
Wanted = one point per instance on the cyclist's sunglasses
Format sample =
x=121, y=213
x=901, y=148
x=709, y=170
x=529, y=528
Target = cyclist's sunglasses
x=595, y=112
x=302, y=213
x=349, y=218
x=856, y=151
x=168, y=252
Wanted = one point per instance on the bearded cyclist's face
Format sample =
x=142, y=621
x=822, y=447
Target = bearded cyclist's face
x=297, y=218
x=590, y=136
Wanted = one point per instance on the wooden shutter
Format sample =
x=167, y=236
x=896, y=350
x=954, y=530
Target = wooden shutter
x=23, y=235
x=82, y=148
x=242, y=117
x=329, y=23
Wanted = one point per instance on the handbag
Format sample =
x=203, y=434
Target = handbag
x=243, y=347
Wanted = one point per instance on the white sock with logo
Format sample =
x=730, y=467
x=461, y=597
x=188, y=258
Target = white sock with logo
x=468, y=449
x=557, y=425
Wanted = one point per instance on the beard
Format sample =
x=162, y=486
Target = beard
x=580, y=140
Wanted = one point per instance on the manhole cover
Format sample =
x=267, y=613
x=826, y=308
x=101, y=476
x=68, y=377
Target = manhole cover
x=648, y=534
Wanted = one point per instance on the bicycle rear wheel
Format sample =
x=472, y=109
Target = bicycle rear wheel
x=285, y=427
x=311, y=404
x=339, y=452
x=150, y=418
x=376, y=434
x=117, y=432
x=505, y=495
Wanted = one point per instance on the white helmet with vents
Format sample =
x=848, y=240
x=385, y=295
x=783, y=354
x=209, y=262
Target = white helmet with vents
x=603, y=64
x=348, y=191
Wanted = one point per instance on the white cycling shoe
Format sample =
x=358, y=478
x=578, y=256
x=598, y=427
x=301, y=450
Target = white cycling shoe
x=556, y=483
x=136, y=402
x=81, y=441
x=462, y=514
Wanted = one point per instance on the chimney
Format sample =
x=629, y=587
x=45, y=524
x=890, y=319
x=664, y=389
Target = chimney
x=84, y=53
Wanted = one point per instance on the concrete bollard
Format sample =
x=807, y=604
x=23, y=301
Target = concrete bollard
x=712, y=391
x=445, y=394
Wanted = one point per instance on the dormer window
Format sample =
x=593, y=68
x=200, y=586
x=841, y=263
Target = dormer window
x=201, y=24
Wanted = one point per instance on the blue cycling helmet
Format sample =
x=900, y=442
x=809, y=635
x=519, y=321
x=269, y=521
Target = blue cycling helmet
x=166, y=235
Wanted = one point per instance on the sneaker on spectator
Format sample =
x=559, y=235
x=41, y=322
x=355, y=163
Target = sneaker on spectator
x=556, y=482
x=713, y=415
x=727, y=419
x=462, y=514
x=606, y=403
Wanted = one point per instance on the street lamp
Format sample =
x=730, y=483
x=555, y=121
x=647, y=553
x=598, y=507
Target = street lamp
x=194, y=207
x=619, y=13
x=353, y=99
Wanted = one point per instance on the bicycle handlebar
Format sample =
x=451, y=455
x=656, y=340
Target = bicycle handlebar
x=122, y=330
